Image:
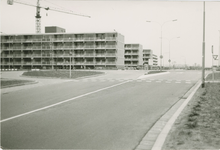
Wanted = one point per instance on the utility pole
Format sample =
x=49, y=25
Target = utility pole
x=212, y=65
x=203, y=49
x=219, y=51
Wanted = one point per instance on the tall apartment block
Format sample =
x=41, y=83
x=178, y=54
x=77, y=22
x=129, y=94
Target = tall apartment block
x=148, y=54
x=133, y=55
x=62, y=50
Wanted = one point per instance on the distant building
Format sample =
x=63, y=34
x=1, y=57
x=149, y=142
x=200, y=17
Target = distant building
x=148, y=55
x=59, y=50
x=133, y=56
x=54, y=29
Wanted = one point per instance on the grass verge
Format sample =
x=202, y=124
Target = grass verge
x=13, y=82
x=198, y=125
x=216, y=76
x=61, y=74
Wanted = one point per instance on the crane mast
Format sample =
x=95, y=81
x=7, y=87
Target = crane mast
x=38, y=18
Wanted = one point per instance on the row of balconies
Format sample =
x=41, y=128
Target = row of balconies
x=58, y=55
x=58, y=39
x=60, y=63
x=59, y=47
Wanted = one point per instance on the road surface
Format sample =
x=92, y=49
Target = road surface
x=113, y=111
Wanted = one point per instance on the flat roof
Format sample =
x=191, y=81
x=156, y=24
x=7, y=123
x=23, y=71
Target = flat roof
x=63, y=33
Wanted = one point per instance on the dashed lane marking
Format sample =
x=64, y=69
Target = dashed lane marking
x=65, y=101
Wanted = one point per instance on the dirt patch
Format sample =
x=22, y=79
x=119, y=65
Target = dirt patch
x=198, y=125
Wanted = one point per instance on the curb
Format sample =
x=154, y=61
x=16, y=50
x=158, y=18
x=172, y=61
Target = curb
x=150, y=75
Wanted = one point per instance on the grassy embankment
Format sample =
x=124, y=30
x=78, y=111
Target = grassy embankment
x=198, y=125
x=61, y=74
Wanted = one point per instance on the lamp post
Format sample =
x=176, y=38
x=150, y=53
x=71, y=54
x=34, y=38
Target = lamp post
x=219, y=51
x=161, y=31
x=212, y=65
x=203, y=49
x=169, y=48
x=70, y=63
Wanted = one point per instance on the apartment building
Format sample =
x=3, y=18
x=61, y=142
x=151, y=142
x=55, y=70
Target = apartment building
x=148, y=55
x=62, y=50
x=133, y=55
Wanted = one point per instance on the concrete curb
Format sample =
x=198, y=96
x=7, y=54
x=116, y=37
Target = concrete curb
x=150, y=75
x=163, y=134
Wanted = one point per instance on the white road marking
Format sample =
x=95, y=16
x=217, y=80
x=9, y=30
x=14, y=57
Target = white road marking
x=65, y=101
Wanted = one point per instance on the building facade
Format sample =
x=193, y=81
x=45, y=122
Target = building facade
x=54, y=29
x=148, y=55
x=62, y=50
x=133, y=55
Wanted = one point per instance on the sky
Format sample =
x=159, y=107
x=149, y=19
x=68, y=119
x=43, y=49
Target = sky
x=129, y=18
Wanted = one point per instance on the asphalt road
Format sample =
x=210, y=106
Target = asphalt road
x=113, y=111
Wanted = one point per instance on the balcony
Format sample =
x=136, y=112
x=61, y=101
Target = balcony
x=18, y=55
x=100, y=47
x=79, y=63
x=27, y=55
x=89, y=38
x=89, y=54
x=89, y=62
x=36, y=63
x=110, y=38
x=78, y=47
x=100, y=63
x=110, y=46
x=110, y=62
x=27, y=63
x=89, y=46
x=36, y=55
x=79, y=39
x=110, y=55
x=79, y=55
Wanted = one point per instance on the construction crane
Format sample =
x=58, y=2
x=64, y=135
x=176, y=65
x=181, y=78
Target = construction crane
x=38, y=16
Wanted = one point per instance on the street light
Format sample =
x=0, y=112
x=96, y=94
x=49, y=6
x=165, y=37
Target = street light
x=161, y=25
x=169, y=48
x=70, y=63
x=219, y=51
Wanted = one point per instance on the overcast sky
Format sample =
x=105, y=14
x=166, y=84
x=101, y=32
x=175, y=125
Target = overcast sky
x=129, y=18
